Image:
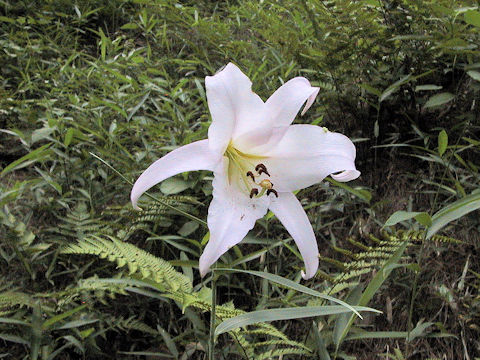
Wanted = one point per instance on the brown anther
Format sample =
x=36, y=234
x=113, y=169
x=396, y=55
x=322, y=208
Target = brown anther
x=253, y=193
x=272, y=191
x=266, y=184
x=251, y=175
x=260, y=168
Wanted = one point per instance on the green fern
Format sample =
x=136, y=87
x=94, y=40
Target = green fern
x=131, y=323
x=13, y=299
x=137, y=260
x=177, y=287
x=153, y=213
x=79, y=224
x=370, y=257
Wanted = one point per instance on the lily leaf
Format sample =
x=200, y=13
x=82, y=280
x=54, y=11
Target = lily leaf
x=282, y=314
x=442, y=142
x=399, y=216
x=394, y=87
x=454, y=211
x=475, y=75
x=439, y=99
x=295, y=286
x=363, y=194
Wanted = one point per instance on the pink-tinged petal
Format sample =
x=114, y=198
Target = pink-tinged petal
x=256, y=142
x=231, y=215
x=290, y=212
x=307, y=154
x=347, y=175
x=281, y=109
x=194, y=156
x=234, y=107
x=284, y=104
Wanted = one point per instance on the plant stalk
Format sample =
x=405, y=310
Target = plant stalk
x=211, y=342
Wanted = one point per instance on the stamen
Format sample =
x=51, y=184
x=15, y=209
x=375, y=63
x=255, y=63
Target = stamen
x=253, y=193
x=260, y=168
x=272, y=191
x=251, y=175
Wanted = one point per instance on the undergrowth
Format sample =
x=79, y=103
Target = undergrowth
x=91, y=92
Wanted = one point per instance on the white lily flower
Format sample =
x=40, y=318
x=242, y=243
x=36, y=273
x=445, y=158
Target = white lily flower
x=258, y=159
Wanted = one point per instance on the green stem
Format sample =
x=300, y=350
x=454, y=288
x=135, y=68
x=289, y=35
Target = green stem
x=211, y=342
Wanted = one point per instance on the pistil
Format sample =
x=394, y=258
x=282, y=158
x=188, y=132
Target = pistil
x=239, y=165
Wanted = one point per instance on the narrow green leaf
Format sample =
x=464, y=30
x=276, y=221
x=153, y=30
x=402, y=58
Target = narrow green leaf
x=424, y=219
x=188, y=228
x=394, y=87
x=427, y=87
x=256, y=254
x=129, y=26
x=62, y=316
x=320, y=343
x=439, y=99
x=281, y=314
x=454, y=211
x=378, y=335
x=15, y=339
x=68, y=136
x=138, y=106
x=35, y=155
x=363, y=194
x=399, y=216
x=475, y=75
x=295, y=286
x=173, y=186
x=7, y=19
x=442, y=142
x=149, y=354
x=370, y=89
x=343, y=321
x=13, y=321
x=76, y=323
x=168, y=341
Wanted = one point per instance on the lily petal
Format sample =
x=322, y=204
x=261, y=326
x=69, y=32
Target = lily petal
x=290, y=212
x=231, y=215
x=307, y=154
x=285, y=103
x=235, y=108
x=281, y=109
x=347, y=175
x=194, y=156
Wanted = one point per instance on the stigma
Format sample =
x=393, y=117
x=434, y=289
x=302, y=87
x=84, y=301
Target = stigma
x=266, y=184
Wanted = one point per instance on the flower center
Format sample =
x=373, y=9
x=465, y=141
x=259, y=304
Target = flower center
x=249, y=173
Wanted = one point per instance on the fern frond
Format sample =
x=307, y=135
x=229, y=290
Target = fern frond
x=152, y=213
x=373, y=257
x=11, y=299
x=136, y=259
x=281, y=352
x=132, y=323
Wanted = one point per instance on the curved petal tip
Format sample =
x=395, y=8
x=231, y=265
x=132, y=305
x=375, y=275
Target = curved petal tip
x=347, y=175
x=204, y=268
x=311, y=268
x=310, y=100
x=305, y=277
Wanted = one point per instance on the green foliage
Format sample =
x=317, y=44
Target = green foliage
x=176, y=286
x=137, y=261
x=92, y=92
